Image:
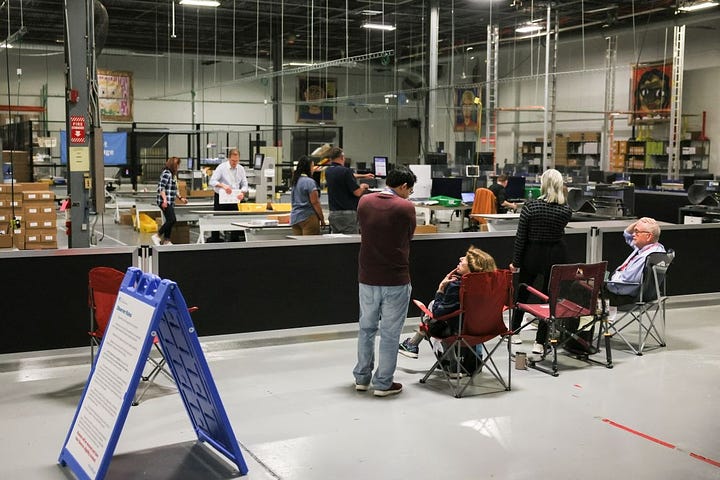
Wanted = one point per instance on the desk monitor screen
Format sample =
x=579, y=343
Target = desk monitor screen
x=435, y=158
x=190, y=163
x=468, y=197
x=380, y=165
x=472, y=171
x=449, y=187
x=259, y=158
x=486, y=160
x=515, y=188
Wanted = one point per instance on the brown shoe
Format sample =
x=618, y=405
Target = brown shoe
x=394, y=389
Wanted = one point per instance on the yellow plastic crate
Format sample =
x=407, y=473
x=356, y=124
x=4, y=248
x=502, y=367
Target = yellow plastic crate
x=147, y=224
x=281, y=207
x=252, y=207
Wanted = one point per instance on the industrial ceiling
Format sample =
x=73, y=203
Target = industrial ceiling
x=316, y=30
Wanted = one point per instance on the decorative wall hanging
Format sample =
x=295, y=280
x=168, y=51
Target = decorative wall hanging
x=116, y=95
x=316, y=89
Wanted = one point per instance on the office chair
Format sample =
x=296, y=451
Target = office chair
x=574, y=291
x=483, y=298
x=485, y=202
x=648, y=309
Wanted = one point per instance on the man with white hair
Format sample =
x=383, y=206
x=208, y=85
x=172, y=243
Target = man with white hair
x=643, y=237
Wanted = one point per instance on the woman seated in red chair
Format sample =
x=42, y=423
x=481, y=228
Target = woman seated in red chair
x=447, y=300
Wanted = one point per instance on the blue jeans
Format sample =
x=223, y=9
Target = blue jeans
x=383, y=308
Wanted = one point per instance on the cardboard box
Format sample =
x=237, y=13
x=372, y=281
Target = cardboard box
x=126, y=219
x=420, y=229
x=19, y=237
x=38, y=195
x=40, y=236
x=182, y=188
x=33, y=186
x=283, y=219
x=201, y=193
x=40, y=220
x=34, y=208
x=41, y=246
x=180, y=233
x=6, y=201
x=5, y=214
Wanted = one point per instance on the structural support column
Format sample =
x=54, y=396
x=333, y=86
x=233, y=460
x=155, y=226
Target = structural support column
x=546, y=103
x=79, y=153
x=675, y=133
x=277, y=59
x=432, y=76
x=608, y=134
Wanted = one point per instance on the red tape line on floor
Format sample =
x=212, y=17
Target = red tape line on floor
x=639, y=434
x=660, y=442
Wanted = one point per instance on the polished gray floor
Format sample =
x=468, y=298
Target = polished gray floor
x=290, y=398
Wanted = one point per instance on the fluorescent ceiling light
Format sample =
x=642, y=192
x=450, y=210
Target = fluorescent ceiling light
x=6, y=45
x=693, y=6
x=200, y=3
x=529, y=28
x=298, y=64
x=370, y=13
x=378, y=26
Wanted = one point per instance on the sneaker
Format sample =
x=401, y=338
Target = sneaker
x=538, y=348
x=408, y=349
x=394, y=389
x=516, y=340
x=361, y=388
x=156, y=239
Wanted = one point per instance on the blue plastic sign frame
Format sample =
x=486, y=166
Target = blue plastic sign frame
x=146, y=306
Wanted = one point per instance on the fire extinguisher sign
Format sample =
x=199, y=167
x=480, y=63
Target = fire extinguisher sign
x=77, y=129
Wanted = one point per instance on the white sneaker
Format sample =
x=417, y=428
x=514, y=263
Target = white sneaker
x=516, y=340
x=538, y=348
x=156, y=239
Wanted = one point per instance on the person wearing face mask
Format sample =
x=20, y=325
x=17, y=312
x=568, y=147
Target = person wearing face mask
x=229, y=176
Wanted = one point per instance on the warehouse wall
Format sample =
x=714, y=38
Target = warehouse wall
x=163, y=90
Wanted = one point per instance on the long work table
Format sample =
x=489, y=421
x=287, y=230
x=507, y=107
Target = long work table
x=222, y=220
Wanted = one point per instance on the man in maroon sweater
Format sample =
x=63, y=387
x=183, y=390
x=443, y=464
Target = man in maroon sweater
x=387, y=224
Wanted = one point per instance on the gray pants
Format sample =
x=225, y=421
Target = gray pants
x=344, y=221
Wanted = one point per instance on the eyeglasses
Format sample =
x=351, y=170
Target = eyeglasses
x=638, y=232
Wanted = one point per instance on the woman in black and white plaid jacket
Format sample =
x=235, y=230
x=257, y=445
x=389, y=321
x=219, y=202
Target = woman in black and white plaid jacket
x=539, y=244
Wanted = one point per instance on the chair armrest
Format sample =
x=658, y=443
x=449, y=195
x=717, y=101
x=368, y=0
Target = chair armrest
x=449, y=315
x=422, y=308
x=535, y=292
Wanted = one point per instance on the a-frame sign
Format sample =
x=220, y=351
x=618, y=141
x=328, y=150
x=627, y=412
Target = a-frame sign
x=146, y=306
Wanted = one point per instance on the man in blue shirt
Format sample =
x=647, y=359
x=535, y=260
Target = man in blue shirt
x=343, y=194
x=624, y=283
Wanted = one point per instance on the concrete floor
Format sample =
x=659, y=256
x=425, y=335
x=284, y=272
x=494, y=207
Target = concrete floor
x=290, y=399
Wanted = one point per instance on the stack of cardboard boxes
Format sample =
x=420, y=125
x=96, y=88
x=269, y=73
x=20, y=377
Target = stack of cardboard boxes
x=34, y=206
x=618, y=156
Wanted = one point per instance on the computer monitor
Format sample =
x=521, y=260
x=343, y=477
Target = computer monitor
x=435, y=158
x=259, y=158
x=448, y=187
x=190, y=163
x=515, y=188
x=380, y=165
x=472, y=171
x=597, y=176
x=485, y=160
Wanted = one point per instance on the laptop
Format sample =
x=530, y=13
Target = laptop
x=468, y=197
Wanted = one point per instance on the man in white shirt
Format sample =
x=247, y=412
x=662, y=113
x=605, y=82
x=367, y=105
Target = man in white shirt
x=229, y=176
